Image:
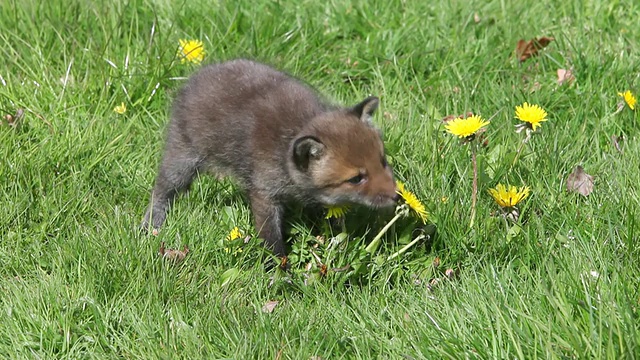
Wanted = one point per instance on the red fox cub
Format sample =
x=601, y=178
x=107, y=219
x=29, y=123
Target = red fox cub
x=278, y=139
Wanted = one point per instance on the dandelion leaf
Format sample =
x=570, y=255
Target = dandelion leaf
x=229, y=276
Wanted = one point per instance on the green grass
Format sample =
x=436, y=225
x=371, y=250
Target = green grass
x=78, y=281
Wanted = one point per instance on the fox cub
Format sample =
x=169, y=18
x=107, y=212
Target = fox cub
x=278, y=139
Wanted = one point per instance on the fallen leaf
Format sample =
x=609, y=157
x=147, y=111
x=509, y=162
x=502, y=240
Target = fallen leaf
x=579, y=181
x=173, y=254
x=269, y=306
x=527, y=49
x=617, y=142
x=476, y=18
x=565, y=76
x=323, y=270
x=436, y=262
x=450, y=273
x=284, y=263
x=12, y=120
x=433, y=283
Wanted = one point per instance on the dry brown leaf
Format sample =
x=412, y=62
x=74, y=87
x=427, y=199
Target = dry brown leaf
x=269, y=306
x=436, y=262
x=565, y=76
x=579, y=181
x=433, y=283
x=323, y=270
x=12, y=120
x=617, y=142
x=527, y=49
x=284, y=263
x=173, y=254
x=450, y=273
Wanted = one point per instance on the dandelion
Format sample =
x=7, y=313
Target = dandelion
x=411, y=204
x=234, y=234
x=336, y=211
x=412, y=201
x=465, y=128
x=191, y=51
x=120, y=109
x=508, y=198
x=629, y=99
x=533, y=115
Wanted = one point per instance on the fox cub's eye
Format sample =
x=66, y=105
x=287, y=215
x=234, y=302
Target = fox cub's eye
x=384, y=162
x=356, y=180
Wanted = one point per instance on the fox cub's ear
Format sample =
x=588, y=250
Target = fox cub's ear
x=305, y=150
x=366, y=108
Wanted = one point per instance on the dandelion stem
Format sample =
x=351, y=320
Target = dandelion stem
x=405, y=248
x=474, y=191
x=343, y=224
x=373, y=246
x=517, y=157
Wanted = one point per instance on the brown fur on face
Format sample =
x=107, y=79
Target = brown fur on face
x=277, y=138
x=353, y=150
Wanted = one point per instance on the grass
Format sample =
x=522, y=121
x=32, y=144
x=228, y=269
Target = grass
x=78, y=281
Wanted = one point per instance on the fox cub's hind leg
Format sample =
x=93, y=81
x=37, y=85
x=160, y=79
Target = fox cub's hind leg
x=175, y=175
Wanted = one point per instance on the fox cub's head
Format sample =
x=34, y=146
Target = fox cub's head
x=339, y=159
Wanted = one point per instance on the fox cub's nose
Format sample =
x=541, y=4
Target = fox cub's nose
x=396, y=197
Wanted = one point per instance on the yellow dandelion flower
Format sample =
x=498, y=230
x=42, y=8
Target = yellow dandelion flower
x=508, y=198
x=120, y=109
x=465, y=127
x=191, y=50
x=444, y=199
x=336, y=211
x=413, y=202
x=629, y=99
x=234, y=234
x=532, y=114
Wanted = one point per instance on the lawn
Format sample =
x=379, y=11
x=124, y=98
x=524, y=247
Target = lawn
x=559, y=278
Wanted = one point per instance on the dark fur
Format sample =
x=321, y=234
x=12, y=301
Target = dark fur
x=277, y=138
